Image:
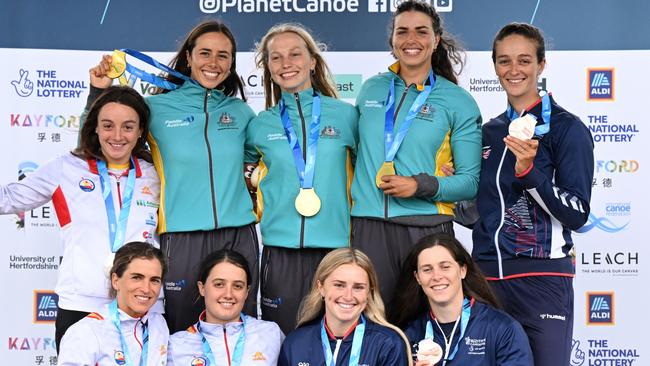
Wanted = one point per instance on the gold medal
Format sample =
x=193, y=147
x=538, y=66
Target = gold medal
x=118, y=65
x=307, y=203
x=387, y=168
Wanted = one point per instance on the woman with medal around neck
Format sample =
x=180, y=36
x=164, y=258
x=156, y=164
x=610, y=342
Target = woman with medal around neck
x=341, y=321
x=414, y=119
x=304, y=142
x=125, y=332
x=224, y=335
x=94, y=190
x=448, y=311
x=536, y=180
x=197, y=140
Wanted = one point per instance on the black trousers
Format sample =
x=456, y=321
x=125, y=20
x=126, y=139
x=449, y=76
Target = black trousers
x=64, y=320
x=184, y=252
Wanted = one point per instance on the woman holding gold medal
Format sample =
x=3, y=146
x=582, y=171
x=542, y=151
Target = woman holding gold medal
x=447, y=310
x=414, y=119
x=94, y=190
x=197, y=140
x=304, y=142
x=341, y=320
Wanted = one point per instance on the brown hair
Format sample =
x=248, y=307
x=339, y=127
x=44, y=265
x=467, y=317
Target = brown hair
x=134, y=250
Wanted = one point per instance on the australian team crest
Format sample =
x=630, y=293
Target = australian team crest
x=227, y=120
x=426, y=112
x=330, y=132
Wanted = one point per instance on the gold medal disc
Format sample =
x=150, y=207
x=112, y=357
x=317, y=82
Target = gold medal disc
x=387, y=168
x=118, y=65
x=307, y=203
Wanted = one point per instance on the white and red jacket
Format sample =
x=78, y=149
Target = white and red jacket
x=74, y=187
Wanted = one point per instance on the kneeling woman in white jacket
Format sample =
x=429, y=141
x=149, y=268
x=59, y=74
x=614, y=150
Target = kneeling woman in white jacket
x=224, y=335
x=125, y=332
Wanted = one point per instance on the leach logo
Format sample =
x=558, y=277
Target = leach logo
x=600, y=84
x=600, y=308
x=45, y=306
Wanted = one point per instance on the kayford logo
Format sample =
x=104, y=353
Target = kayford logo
x=615, y=263
x=604, y=131
x=330, y=132
x=348, y=85
x=602, y=224
x=618, y=209
x=119, y=358
x=617, y=166
x=45, y=306
x=199, y=361
x=31, y=344
x=48, y=85
x=600, y=308
x=175, y=123
x=86, y=185
x=44, y=120
x=384, y=6
x=600, y=84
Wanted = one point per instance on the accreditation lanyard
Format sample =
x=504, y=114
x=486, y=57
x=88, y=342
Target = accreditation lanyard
x=116, y=228
x=357, y=340
x=463, y=319
x=151, y=78
x=115, y=318
x=540, y=130
x=304, y=168
x=393, y=141
x=239, y=347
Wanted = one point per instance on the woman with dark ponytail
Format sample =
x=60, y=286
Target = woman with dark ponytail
x=413, y=120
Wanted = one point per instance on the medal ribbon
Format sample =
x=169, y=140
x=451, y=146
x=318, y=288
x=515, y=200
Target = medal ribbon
x=304, y=168
x=239, y=347
x=464, y=319
x=540, y=130
x=357, y=340
x=115, y=318
x=393, y=141
x=116, y=229
x=148, y=77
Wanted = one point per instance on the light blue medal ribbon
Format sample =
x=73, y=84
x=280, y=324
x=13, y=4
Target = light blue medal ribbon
x=304, y=168
x=151, y=78
x=540, y=130
x=464, y=319
x=116, y=228
x=393, y=141
x=115, y=318
x=239, y=347
x=357, y=341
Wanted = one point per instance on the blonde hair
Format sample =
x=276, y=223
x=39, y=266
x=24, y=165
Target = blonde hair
x=321, y=77
x=313, y=305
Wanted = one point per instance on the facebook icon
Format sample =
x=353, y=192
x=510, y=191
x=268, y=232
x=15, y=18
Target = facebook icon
x=383, y=6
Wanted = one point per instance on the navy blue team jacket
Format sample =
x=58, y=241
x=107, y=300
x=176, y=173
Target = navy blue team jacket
x=381, y=346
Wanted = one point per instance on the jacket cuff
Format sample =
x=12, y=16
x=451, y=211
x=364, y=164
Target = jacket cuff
x=523, y=174
x=532, y=178
x=427, y=185
x=93, y=93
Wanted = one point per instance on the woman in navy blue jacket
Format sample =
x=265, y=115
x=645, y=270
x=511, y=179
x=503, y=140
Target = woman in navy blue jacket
x=341, y=320
x=448, y=311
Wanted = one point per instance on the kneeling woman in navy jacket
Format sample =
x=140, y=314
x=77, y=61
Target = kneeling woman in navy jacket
x=341, y=320
x=448, y=311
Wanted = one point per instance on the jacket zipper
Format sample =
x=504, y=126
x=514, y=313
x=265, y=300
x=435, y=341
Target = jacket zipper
x=399, y=105
x=502, y=220
x=207, y=143
x=304, y=157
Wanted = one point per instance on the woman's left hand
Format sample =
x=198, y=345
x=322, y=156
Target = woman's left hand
x=399, y=186
x=524, y=150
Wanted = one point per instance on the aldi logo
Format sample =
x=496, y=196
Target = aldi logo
x=600, y=84
x=600, y=308
x=45, y=306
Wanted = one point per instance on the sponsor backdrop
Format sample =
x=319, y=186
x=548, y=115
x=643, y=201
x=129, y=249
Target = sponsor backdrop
x=595, y=75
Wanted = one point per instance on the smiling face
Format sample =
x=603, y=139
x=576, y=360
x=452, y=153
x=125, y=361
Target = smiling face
x=440, y=276
x=139, y=287
x=290, y=62
x=345, y=292
x=118, y=130
x=518, y=69
x=211, y=59
x=225, y=290
x=413, y=40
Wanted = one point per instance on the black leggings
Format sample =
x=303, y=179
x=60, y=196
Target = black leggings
x=64, y=320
